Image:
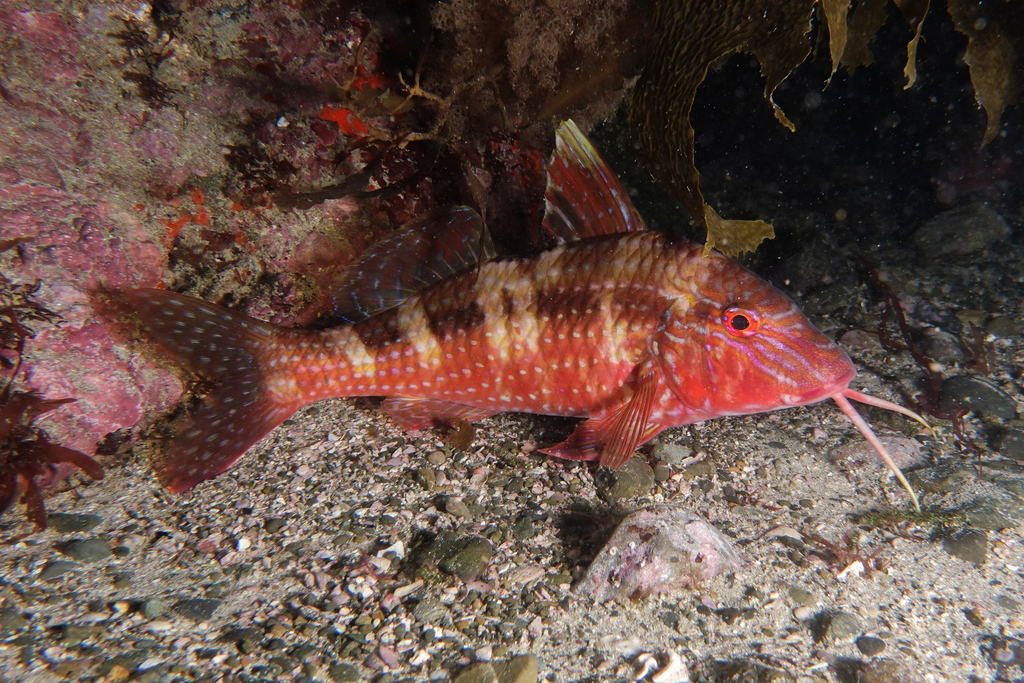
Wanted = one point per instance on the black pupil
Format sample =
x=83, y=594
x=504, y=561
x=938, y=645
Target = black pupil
x=740, y=322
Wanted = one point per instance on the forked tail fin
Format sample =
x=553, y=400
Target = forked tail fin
x=224, y=347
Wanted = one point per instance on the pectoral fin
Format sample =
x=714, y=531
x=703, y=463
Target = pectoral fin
x=612, y=439
x=413, y=414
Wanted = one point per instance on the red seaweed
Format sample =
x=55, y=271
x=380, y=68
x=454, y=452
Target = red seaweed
x=929, y=401
x=27, y=456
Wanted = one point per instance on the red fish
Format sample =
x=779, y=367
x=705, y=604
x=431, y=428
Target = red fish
x=632, y=330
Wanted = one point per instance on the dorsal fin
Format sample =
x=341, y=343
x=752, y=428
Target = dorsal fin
x=583, y=197
x=426, y=251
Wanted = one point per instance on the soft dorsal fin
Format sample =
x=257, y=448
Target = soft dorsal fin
x=425, y=252
x=583, y=197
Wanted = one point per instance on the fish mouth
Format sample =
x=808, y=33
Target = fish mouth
x=820, y=391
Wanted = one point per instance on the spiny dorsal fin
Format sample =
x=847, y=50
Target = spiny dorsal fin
x=404, y=264
x=583, y=197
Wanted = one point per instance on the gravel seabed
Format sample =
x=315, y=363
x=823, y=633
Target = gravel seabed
x=315, y=557
x=348, y=486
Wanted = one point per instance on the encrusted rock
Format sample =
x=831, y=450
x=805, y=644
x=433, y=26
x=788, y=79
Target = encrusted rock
x=970, y=545
x=963, y=230
x=658, y=549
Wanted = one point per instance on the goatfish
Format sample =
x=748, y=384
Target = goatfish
x=632, y=330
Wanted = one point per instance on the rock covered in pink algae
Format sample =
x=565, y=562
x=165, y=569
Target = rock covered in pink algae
x=659, y=549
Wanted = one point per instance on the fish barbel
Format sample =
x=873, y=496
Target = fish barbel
x=632, y=330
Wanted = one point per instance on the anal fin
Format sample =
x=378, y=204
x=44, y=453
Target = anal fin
x=612, y=439
x=413, y=414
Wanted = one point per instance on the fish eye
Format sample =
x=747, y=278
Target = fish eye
x=740, y=321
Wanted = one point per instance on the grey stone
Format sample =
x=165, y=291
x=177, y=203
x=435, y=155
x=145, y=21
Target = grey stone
x=237, y=635
x=870, y=646
x=465, y=557
x=196, y=609
x=154, y=608
x=802, y=597
x=1009, y=443
x=970, y=545
x=991, y=513
x=886, y=671
x=704, y=468
x=634, y=479
x=274, y=524
x=978, y=396
x=941, y=347
x=943, y=478
x=655, y=550
x=963, y=230
x=432, y=611
x=56, y=569
x=860, y=455
x=519, y=669
x=88, y=550
x=741, y=671
x=343, y=673
x=671, y=453
x=11, y=619
x=1008, y=603
x=1003, y=327
x=524, y=528
x=481, y=672
x=833, y=625
x=67, y=523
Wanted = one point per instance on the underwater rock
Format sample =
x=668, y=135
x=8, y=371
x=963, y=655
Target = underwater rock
x=655, y=550
x=860, y=456
x=961, y=231
x=970, y=545
x=742, y=671
x=980, y=397
x=1009, y=443
x=463, y=556
x=634, y=479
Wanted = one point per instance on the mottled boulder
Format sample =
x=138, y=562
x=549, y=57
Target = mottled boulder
x=659, y=549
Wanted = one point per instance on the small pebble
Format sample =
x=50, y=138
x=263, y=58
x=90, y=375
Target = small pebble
x=634, y=479
x=11, y=619
x=481, y=672
x=56, y=569
x=153, y=608
x=274, y=524
x=88, y=550
x=671, y=453
x=870, y=646
x=803, y=614
x=832, y=625
x=196, y=609
x=67, y=523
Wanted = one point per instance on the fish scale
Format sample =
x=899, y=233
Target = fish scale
x=632, y=330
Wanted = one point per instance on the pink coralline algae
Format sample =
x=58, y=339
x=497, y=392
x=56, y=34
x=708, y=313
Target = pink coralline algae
x=93, y=175
x=72, y=239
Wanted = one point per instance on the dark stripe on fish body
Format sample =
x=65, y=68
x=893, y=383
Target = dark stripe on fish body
x=380, y=331
x=508, y=303
x=447, y=321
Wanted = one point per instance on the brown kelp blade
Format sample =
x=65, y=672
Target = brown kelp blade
x=865, y=430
